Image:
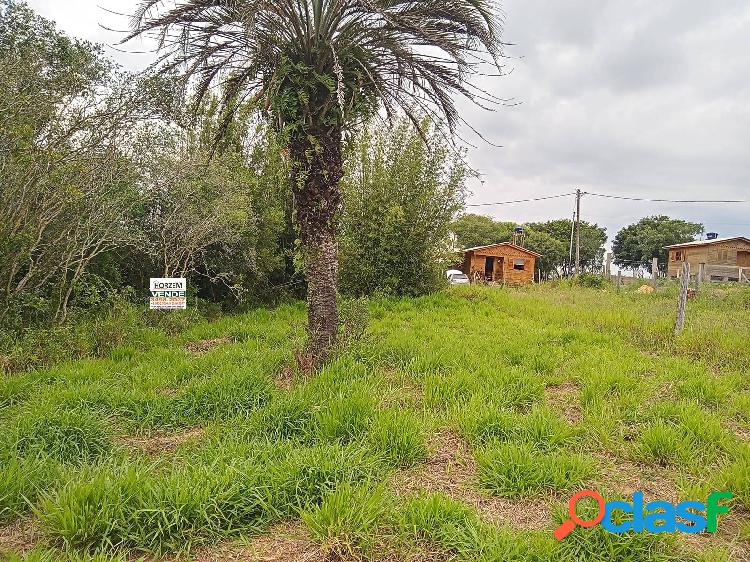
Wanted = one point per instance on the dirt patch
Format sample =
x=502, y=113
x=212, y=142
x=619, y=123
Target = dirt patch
x=157, y=442
x=564, y=398
x=285, y=379
x=401, y=390
x=727, y=537
x=625, y=477
x=451, y=469
x=204, y=346
x=283, y=543
x=20, y=537
x=742, y=431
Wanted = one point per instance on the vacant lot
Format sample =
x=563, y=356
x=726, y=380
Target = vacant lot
x=456, y=427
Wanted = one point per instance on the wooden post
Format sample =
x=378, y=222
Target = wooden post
x=608, y=267
x=682, y=299
x=700, y=277
x=619, y=279
x=655, y=272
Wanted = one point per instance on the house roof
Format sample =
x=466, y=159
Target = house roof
x=707, y=242
x=509, y=244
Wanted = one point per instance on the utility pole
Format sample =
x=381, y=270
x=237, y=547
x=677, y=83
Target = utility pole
x=569, y=265
x=578, y=231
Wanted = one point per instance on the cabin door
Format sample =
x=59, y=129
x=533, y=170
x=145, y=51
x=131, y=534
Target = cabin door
x=489, y=267
x=743, y=259
x=499, y=269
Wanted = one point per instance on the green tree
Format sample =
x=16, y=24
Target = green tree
x=67, y=190
x=473, y=230
x=400, y=191
x=637, y=244
x=554, y=252
x=317, y=69
x=593, y=238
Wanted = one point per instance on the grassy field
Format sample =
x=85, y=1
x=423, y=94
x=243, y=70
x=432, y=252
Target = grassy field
x=456, y=427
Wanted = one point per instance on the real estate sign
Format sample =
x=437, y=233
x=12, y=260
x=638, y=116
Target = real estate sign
x=168, y=293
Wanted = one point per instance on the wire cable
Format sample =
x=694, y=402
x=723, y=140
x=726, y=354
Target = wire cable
x=522, y=200
x=623, y=197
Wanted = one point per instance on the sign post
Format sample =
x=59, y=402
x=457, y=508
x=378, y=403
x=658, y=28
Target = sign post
x=168, y=293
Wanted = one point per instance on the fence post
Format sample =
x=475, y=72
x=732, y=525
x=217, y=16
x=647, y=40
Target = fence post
x=608, y=267
x=682, y=299
x=699, y=278
x=619, y=279
x=655, y=272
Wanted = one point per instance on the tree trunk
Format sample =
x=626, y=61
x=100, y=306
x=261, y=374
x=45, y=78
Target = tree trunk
x=317, y=168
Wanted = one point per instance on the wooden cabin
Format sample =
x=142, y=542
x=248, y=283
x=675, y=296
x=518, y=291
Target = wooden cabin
x=725, y=259
x=500, y=263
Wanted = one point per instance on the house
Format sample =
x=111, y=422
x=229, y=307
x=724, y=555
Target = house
x=500, y=263
x=725, y=259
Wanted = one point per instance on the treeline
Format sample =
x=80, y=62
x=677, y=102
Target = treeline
x=105, y=182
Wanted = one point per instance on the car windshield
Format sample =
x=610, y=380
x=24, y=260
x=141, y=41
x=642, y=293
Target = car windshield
x=459, y=276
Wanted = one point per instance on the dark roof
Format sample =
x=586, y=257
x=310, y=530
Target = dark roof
x=706, y=242
x=509, y=244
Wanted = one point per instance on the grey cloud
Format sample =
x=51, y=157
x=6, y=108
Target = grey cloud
x=639, y=98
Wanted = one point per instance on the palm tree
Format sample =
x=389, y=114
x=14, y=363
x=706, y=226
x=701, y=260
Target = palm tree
x=316, y=69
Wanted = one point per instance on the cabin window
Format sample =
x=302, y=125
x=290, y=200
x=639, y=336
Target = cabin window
x=520, y=265
x=723, y=255
x=679, y=255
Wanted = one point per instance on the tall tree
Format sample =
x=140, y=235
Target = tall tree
x=400, y=195
x=67, y=191
x=593, y=238
x=473, y=230
x=637, y=244
x=317, y=68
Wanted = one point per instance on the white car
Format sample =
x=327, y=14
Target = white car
x=458, y=279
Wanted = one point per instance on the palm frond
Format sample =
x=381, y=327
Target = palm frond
x=331, y=61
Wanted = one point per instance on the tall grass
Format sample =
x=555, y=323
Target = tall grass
x=334, y=449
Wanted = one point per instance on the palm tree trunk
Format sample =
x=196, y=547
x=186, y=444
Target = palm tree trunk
x=317, y=168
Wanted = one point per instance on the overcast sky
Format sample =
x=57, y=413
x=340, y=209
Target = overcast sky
x=636, y=98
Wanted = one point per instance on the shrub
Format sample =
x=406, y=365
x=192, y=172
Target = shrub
x=591, y=280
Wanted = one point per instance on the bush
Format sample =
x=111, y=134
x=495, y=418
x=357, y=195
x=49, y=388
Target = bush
x=591, y=280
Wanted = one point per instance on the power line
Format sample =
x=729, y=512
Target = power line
x=522, y=200
x=620, y=197
x=667, y=200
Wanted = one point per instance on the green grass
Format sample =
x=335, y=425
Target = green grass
x=546, y=385
x=518, y=470
x=346, y=521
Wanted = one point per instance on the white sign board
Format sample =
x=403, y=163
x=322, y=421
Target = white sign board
x=168, y=294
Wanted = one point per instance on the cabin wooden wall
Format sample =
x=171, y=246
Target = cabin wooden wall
x=737, y=254
x=504, y=272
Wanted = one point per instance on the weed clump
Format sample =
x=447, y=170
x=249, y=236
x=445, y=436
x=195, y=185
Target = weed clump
x=518, y=470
